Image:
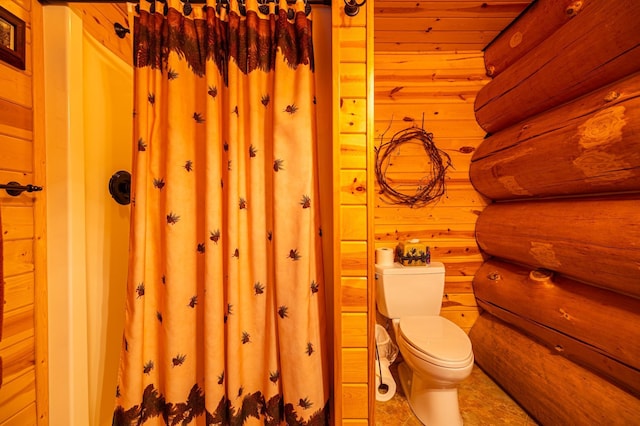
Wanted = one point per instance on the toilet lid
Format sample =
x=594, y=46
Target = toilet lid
x=436, y=337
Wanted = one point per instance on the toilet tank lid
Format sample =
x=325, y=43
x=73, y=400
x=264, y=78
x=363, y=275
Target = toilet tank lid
x=400, y=269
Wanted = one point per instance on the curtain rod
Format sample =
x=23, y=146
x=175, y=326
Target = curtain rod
x=324, y=2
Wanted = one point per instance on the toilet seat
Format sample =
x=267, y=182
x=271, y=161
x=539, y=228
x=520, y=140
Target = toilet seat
x=436, y=340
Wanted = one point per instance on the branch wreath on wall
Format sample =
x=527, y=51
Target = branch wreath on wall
x=428, y=189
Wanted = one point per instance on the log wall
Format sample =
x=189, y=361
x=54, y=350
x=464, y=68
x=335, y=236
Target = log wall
x=553, y=389
x=563, y=159
x=598, y=46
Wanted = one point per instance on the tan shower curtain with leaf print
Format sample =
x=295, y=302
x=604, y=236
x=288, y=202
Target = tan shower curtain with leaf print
x=225, y=306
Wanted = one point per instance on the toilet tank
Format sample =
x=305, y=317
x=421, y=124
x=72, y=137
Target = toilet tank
x=409, y=290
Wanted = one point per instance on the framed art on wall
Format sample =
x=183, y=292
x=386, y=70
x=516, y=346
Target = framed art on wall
x=12, y=39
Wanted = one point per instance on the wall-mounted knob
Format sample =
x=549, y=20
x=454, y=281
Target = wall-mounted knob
x=120, y=187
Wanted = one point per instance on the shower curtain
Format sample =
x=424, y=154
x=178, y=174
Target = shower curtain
x=225, y=297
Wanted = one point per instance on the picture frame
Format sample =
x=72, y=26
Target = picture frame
x=12, y=39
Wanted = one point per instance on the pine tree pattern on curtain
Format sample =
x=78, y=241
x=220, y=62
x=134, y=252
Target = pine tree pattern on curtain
x=225, y=314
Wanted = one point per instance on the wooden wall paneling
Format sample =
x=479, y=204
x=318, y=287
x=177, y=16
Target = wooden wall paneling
x=591, y=326
x=354, y=223
x=17, y=360
x=589, y=145
x=23, y=418
x=442, y=215
x=553, y=389
x=15, y=120
x=355, y=400
x=18, y=291
x=433, y=90
x=17, y=394
x=16, y=85
x=352, y=41
x=17, y=326
x=354, y=330
x=443, y=25
x=422, y=40
x=433, y=232
x=22, y=344
x=98, y=20
x=351, y=49
x=353, y=186
x=353, y=150
x=354, y=296
x=40, y=225
x=538, y=22
x=545, y=78
x=355, y=422
x=355, y=366
x=462, y=128
x=353, y=115
x=16, y=154
x=591, y=239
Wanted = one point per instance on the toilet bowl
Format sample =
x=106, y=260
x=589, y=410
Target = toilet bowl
x=437, y=353
x=437, y=357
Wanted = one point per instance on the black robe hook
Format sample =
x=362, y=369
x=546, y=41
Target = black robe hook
x=120, y=30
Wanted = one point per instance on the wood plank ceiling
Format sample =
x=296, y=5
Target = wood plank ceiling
x=441, y=25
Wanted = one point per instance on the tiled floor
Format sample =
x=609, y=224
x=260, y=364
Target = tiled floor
x=482, y=402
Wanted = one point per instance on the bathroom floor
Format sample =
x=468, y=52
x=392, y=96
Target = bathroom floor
x=482, y=402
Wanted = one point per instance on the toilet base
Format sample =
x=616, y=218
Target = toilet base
x=432, y=406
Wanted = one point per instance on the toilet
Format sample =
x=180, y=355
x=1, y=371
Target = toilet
x=437, y=353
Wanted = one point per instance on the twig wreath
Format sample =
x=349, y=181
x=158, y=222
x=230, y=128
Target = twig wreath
x=430, y=187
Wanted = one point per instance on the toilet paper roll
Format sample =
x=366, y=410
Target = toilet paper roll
x=385, y=256
x=384, y=393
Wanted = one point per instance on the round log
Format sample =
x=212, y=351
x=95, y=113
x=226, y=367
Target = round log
x=597, y=47
x=533, y=26
x=595, y=240
x=590, y=145
x=594, y=327
x=552, y=389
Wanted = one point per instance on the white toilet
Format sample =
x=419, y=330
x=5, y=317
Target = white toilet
x=437, y=353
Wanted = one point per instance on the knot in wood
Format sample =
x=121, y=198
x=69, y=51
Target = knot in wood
x=611, y=96
x=494, y=276
x=573, y=9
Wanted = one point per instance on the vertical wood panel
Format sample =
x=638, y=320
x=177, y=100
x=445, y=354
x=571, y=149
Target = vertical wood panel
x=21, y=382
x=355, y=400
x=354, y=330
x=354, y=223
x=352, y=52
x=355, y=365
x=354, y=294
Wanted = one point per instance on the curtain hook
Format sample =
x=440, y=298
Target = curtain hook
x=352, y=7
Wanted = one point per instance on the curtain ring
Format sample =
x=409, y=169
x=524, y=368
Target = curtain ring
x=352, y=7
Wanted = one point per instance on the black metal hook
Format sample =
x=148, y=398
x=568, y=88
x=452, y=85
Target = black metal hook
x=120, y=187
x=352, y=7
x=14, y=188
x=120, y=30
